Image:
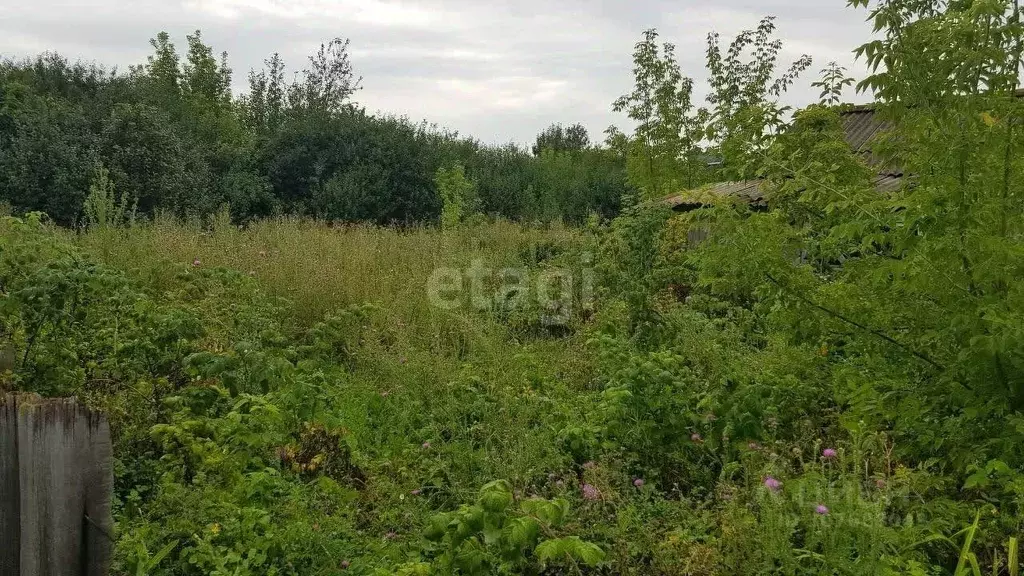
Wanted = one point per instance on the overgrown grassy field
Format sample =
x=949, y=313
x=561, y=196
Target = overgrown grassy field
x=365, y=392
x=292, y=398
x=829, y=382
x=287, y=399
x=321, y=268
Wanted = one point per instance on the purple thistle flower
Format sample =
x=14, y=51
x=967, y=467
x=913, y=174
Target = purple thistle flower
x=772, y=484
x=829, y=453
x=821, y=510
x=591, y=493
x=639, y=482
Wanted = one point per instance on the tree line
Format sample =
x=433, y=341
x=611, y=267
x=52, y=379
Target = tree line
x=169, y=136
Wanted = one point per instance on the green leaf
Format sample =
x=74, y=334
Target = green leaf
x=521, y=532
x=496, y=496
x=570, y=548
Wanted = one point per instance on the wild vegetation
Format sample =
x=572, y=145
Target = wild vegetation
x=829, y=383
x=172, y=137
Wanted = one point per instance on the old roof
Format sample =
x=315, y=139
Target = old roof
x=749, y=190
x=861, y=125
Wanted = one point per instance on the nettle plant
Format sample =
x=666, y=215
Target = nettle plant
x=501, y=534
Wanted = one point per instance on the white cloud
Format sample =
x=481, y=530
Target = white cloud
x=398, y=52
x=509, y=93
x=499, y=70
x=372, y=12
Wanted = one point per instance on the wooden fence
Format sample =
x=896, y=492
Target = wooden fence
x=56, y=483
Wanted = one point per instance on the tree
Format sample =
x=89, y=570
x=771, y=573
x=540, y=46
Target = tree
x=352, y=167
x=154, y=162
x=329, y=81
x=458, y=195
x=162, y=73
x=616, y=141
x=263, y=108
x=47, y=151
x=833, y=81
x=665, y=146
x=562, y=139
x=103, y=208
x=175, y=139
x=915, y=292
x=981, y=50
x=745, y=113
x=204, y=80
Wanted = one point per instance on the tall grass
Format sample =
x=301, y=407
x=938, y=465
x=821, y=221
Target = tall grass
x=428, y=356
x=320, y=267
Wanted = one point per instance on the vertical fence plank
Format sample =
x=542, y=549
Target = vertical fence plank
x=10, y=495
x=55, y=493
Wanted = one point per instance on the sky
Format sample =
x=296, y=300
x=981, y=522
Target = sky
x=500, y=71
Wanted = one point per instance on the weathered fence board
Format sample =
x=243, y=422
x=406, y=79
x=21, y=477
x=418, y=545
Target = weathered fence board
x=55, y=488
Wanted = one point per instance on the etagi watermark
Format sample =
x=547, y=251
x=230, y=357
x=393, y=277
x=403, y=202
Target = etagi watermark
x=554, y=290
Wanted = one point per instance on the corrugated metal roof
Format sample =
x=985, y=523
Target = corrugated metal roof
x=749, y=190
x=861, y=125
x=886, y=183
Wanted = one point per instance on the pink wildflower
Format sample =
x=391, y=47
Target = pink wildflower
x=591, y=493
x=821, y=510
x=196, y=263
x=416, y=492
x=639, y=482
x=829, y=453
x=772, y=484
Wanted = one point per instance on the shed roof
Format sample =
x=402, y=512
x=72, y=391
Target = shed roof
x=861, y=124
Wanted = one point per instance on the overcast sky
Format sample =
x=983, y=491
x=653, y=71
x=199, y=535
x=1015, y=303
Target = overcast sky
x=497, y=70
